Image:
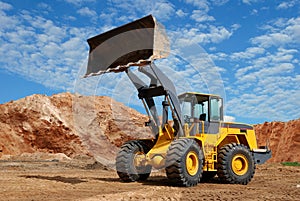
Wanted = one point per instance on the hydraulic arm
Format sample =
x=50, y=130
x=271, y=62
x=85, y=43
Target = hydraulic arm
x=138, y=43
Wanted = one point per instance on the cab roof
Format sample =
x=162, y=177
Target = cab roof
x=197, y=94
x=200, y=96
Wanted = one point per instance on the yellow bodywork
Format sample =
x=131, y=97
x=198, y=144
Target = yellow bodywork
x=156, y=156
x=210, y=144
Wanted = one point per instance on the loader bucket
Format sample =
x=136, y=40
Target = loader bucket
x=134, y=44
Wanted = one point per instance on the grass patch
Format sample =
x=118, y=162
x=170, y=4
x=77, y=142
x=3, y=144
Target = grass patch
x=290, y=163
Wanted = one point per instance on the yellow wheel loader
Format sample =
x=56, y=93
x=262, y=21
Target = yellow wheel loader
x=197, y=144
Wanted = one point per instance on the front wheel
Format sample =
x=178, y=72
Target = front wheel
x=235, y=164
x=184, y=162
x=130, y=161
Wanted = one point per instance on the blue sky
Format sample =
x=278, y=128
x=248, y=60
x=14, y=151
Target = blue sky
x=251, y=48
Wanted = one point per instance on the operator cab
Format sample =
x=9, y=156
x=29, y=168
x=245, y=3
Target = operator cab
x=203, y=110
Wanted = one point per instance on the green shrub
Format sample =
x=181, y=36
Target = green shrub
x=291, y=163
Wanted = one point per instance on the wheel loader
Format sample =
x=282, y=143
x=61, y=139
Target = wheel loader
x=192, y=142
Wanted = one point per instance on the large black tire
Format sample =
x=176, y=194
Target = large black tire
x=235, y=164
x=184, y=162
x=126, y=167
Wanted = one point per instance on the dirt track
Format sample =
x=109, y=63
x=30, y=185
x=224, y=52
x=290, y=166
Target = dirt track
x=77, y=180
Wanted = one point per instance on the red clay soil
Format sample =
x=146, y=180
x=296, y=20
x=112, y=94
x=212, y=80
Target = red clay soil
x=284, y=138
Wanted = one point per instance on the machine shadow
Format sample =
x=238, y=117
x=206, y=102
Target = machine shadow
x=69, y=180
x=163, y=181
x=157, y=181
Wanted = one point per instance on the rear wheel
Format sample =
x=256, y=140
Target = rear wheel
x=130, y=161
x=235, y=164
x=184, y=162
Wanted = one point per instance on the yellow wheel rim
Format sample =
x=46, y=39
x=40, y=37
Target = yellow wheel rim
x=192, y=163
x=239, y=164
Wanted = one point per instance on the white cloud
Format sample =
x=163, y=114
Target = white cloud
x=235, y=27
x=79, y=2
x=51, y=50
x=293, y=29
x=42, y=51
x=181, y=13
x=266, y=74
x=249, y=2
x=229, y=118
x=273, y=39
x=219, y=2
x=69, y=18
x=44, y=6
x=201, y=16
x=249, y=53
x=287, y=4
x=201, y=4
x=132, y=9
x=163, y=10
x=254, y=12
x=281, y=105
x=7, y=22
x=270, y=78
x=91, y=14
x=218, y=34
x=202, y=35
x=85, y=11
x=107, y=17
x=282, y=32
x=5, y=6
x=271, y=64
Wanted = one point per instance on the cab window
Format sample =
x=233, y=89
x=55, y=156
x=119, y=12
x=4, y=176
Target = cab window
x=186, y=108
x=215, y=109
x=201, y=109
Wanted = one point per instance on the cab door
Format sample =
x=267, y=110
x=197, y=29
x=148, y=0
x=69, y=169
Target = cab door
x=215, y=114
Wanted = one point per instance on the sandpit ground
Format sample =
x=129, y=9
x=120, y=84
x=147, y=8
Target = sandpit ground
x=85, y=179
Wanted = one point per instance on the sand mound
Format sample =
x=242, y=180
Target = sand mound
x=69, y=124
